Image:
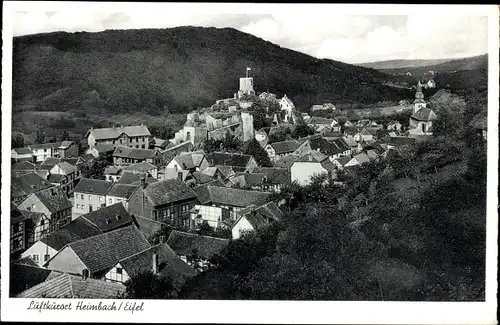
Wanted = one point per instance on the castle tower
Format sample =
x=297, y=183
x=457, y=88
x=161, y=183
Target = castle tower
x=247, y=122
x=246, y=85
x=419, y=99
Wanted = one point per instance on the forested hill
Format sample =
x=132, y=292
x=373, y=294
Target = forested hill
x=179, y=69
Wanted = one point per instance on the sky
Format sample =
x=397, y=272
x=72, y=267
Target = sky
x=347, y=38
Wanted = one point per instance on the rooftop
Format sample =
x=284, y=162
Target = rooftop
x=127, y=152
x=228, y=159
x=77, y=229
x=283, y=147
x=109, y=218
x=122, y=190
x=93, y=186
x=54, y=199
x=168, y=191
x=115, y=132
x=189, y=244
x=237, y=197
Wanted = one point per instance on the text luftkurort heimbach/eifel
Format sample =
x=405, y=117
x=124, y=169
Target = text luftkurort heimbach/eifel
x=128, y=306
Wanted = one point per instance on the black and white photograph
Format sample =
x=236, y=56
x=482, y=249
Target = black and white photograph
x=219, y=157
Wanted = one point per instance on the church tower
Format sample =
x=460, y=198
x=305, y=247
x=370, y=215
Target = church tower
x=419, y=99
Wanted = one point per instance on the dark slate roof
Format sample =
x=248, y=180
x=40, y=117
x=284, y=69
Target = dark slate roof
x=168, y=191
x=424, y=114
x=104, y=147
x=24, y=277
x=23, y=151
x=202, y=178
x=190, y=160
x=283, y=147
x=54, y=199
x=320, y=120
x=189, y=244
x=25, y=165
x=93, y=186
x=170, y=264
x=269, y=210
x=115, y=132
x=228, y=159
x=56, y=178
x=343, y=160
x=66, y=167
x=16, y=215
x=202, y=191
x=77, y=229
x=113, y=170
x=28, y=183
x=275, y=175
x=122, y=190
x=237, y=197
x=129, y=177
x=136, y=153
x=102, y=252
x=313, y=156
x=286, y=161
x=33, y=216
x=109, y=218
x=73, y=286
x=141, y=167
x=38, y=146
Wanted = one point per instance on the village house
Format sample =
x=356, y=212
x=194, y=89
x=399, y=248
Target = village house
x=238, y=161
x=25, y=274
x=103, y=149
x=143, y=167
x=167, y=202
x=160, y=259
x=94, y=256
x=323, y=107
x=394, y=126
x=310, y=164
x=23, y=185
x=364, y=135
x=186, y=162
x=68, y=175
x=136, y=136
x=18, y=238
x=277, y=150
x=319, y=123
x=252, y=181
x=127, y=155
x=41, y=151
x=161, y=144
x=113, y=173
x=275, y=178
x=22, y=154
x=53, y=204
x=231, y=199
x=421, y=121
x=64, y=149
x=358, y=160
x=37, y=226
x=211, y=215
x=120, y=193
x=287, y=105
x=89, y=195
x=134, y=178
x=72, y=286
x=196, y=250
x=253, y=218
x=50, y=162
x=398, y=141
x=340, y=162
x=332, y=149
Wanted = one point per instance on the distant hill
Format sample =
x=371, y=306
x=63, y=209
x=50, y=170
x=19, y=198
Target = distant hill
x=395, y=64
x=148, y=71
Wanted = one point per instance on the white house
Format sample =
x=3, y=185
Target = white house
x=364, y=135
x=41, y=151
x=212, y=215
x=253, y=218
x=287, y=105
x=358, y=160
x=313, y=163
x=22, y=154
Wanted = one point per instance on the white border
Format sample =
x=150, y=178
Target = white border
x=268, y=311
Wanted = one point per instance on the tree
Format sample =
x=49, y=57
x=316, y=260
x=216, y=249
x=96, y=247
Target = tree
x=17, y=140
x=65, y=136
x=254, y=149
x=302, y=130
x=147, y=285
x=95, y=169
x=40, y=135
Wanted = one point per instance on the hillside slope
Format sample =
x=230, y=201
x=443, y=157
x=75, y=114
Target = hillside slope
x=395, y=64
x=121, y=71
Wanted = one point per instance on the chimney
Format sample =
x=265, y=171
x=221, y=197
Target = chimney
x=162, y=239
x=143, y=182
x=85, y=274
x=156, y=266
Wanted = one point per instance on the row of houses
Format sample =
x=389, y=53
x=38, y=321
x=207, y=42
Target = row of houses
x=42, y=151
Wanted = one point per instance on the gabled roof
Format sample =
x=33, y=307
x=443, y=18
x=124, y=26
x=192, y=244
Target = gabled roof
x=170, y=264
x=372, y=154
x=284, y=147
x=237, y=197
x=190, y=160
x=141, y=167
x=313, y=156
x=101, y=252
x=269, y=210
x=365, y=132
x=202, y=191
x=54, y=199
x=201, y=178
x=130, y=177
x=65, y=144
x=255, y=219
x=424, y=114
x=288, y=100
x=25, y=276
x=168, y=191
x=113, y=170
x=50, y=162
x=38, y=146
x=56, y=178
x=73, y=286
x=343, y=160
x=115, y=132
x=34, y=217
x=189, y=244
x=136, y=153
x=104, y=147
x=228, y=159
x=122, y=190
x=23, y=151
x=66, y=167
x=93, y=186
x=362, y=158
x=110, y=217
x=275, y=175
x=316, y=120
x=328, y=165
x=25, y=165
x=286, y=161
x=28, y=183
x=77, y=229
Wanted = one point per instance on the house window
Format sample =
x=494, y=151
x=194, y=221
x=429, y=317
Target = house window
x=42, y=222
x=143, y=146
x=36, y=258
x=184, y=208
x=90, y=197
x=83, y=206
x=110, y=201
x=119, y=270
x=33, y=206
x=137, y=200
x=78, y=206
x=101, y=199
x=81, y=197
x=46, y=257
x=15, y=228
